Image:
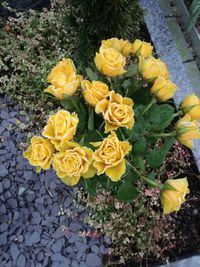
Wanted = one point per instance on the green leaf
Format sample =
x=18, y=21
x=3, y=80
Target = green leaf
x=138, y=161
x=90, y=185
x=82, y=115
x=130, y=176
x=91, y=118
x=160, y=116
x=92, y=136
x=140, y=146
x=132, y=70
x=70, y=103
x=127, y=192
x=157, y=156
x=91, y=74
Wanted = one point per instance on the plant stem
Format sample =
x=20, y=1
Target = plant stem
x=173, y=133
x=179, y=113
x=153, y=101
x=144, y=178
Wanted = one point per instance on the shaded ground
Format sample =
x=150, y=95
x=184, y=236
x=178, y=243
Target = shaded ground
x=39, y=223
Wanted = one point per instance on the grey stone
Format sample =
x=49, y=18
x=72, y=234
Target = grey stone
x=3, y=238
x=82, y=264
x=28, y=175
x=3, y=171
x=21, y=261
x=3, y=227
x=74, y=263
x=34, y=238
x=57, y=246
x=75, y=227
x=95, y=249
x=12, y=203
x=81, y=246
x=20, y=238
x=3, y=152
x=14, y=250
x=92, y=260
x=107, y=240
x=40, y=256
x=21, y=191
x=1, y=188
x=36, y=218
x=58, y=233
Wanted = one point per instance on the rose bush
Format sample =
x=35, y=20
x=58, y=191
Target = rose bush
x=115, y=128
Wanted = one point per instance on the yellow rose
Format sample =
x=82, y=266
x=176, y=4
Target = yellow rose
x=150, y=68
x=61, y=127
x=64, y=79
x=122, y=46
x=39, y=153
x=72, y=162
x=110, y=62
x=191, y=105
x=143, y=49
x=109, y=157
x=187, y=130
x=117, y=112
x=172, y=199
x=94, y=91
x=163, y=89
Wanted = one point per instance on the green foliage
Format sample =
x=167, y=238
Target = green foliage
x=157, y=156
x=31, y=43
x=127, y=192
x=98, y=20
x=194, y=14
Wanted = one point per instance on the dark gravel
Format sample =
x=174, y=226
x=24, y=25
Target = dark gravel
x=33, y=230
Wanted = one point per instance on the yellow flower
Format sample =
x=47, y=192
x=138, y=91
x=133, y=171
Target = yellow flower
x=94, y=91
x=117, y=112
x=122, y=46
x=172, y=199
x=72, y=162
x=109, y=157
x=39, y=153
x=191, y=105
x=63, y=79
x=110, y=62
x=61, y=127
x=143, y=49
x=150, y=68
x=187, y=130
x=163, y=89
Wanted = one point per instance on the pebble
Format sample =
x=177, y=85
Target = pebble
x=21, y=261
x=32, y=233
x=14, y=250
x=92, y=260
x=3, y=171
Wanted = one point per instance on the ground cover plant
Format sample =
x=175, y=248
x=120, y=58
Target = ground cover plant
x=31, y=43
x=112, y=136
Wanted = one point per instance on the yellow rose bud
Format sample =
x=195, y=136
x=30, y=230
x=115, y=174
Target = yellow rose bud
x=163, y=89
x=117, y=112
x=187, y=130
x=110, y=62
x=72, y=162
x=39, y=153
x=109, y=158
x=172, y=198
x=94, y=91
x=61, y=127
x=150, y=68
x=64, y=79
x=143, y=49
x=122, y=46
x=191, y=105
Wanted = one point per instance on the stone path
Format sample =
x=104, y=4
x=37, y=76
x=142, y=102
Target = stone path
x=39, y=224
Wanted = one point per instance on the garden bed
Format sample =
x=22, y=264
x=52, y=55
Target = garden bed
x=159, y=238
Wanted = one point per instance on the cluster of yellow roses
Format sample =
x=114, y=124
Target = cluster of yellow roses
x=70, y=160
